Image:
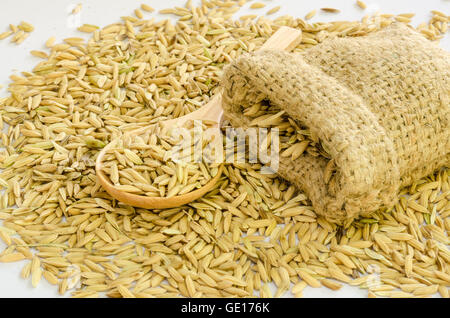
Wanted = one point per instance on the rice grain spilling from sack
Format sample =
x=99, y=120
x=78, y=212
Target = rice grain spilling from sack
x=379, y=105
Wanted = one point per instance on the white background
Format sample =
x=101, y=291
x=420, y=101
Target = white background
x=52, y=18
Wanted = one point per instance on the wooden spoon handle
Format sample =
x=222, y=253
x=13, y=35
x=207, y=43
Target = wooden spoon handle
x=284, y=38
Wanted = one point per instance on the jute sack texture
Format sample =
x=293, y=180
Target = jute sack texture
x=379, y=104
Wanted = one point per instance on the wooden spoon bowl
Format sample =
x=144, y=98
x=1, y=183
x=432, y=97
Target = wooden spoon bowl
x=150, y=202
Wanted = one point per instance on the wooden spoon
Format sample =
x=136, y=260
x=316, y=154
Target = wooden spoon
x=284, y=38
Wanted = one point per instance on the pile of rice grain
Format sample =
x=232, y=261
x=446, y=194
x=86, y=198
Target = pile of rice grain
x=294, y=139
x=161, y=164
x=251, y=230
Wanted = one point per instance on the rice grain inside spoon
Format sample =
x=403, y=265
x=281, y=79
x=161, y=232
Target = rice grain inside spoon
x=284, y=38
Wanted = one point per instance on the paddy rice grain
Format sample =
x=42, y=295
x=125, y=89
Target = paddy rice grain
x=88, y=28
x=361, y=4
x=39, y=54
x=6, y=34
x=310, y=15
x=147, y=8
x=139, y=13
x=13, y=28
x=273, y=10
x=49, y=43
x=330, y=10
x=257, y=5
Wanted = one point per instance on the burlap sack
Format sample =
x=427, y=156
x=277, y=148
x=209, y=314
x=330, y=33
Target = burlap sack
x=380, y=104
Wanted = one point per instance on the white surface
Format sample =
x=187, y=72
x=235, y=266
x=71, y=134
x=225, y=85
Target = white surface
x=52, y=18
